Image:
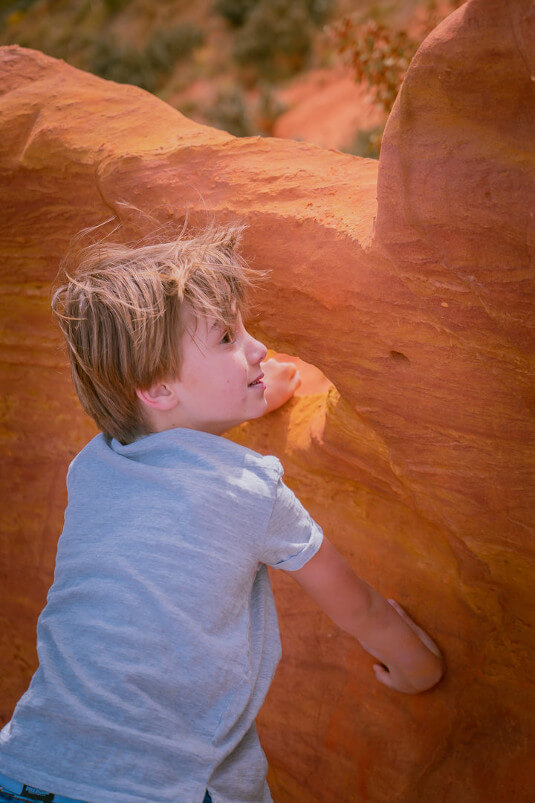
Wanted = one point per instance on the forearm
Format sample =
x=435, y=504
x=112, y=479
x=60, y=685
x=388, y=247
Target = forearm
x=410, y=660
x=387, y=636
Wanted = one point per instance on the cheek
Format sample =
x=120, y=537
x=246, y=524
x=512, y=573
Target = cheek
x=235, y=383
x=223, y=383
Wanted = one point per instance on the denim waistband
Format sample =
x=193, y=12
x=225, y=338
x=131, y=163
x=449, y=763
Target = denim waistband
x=22, y=791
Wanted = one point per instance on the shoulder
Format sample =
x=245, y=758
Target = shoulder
x=207, y=453
x=268, y=466
x=239, y=466
x=90, y=452
x=198, y=457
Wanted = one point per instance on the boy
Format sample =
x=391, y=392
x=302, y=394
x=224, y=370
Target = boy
x=159, y=639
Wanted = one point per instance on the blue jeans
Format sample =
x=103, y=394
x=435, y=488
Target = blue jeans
x=13, y=790
x=7, y=796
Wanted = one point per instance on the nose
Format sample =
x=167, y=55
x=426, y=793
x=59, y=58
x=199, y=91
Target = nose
x=256, y=351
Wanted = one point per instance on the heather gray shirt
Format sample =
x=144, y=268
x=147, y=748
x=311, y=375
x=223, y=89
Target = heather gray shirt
x=159, y=639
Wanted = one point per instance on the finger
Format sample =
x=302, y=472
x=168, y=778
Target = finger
x=387, y=679
x=405, y=616
x=293, y=371
x=402, y=612
x=429, y=643
x=383, y=675
x=422, y=635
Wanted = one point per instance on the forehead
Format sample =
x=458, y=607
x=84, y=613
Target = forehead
x=202, y=326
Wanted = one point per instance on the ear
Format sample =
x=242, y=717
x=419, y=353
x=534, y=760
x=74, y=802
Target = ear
x=158, y=397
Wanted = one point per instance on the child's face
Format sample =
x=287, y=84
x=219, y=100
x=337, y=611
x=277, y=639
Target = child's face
x=215, y=390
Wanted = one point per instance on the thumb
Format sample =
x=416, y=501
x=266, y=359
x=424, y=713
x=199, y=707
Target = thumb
x=393, y=680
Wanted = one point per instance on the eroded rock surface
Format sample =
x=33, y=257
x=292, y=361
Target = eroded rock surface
x=411, y=288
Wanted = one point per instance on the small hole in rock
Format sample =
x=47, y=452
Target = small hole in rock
x=399, y=357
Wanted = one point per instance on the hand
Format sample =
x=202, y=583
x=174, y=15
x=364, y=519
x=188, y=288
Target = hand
x=394, y=677
x=282, y=380
x=409, y=661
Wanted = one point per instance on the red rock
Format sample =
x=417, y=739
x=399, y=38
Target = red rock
x=410, y=286
x=327, y=108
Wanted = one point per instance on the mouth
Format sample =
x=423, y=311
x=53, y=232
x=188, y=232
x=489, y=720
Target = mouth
x=257, y=382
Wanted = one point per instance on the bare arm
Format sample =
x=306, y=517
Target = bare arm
x=410, y=660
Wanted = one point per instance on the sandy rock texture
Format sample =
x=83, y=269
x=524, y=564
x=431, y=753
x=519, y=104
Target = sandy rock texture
x=409, y=283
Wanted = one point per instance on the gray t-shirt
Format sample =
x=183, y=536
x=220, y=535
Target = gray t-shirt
x=160, y=639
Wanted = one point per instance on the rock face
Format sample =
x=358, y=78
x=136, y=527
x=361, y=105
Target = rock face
x=410, y=286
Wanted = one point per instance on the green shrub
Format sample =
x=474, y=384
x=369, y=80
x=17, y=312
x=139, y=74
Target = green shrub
x=124, y=64
x=269, y=109
x=149, y=66
x=169, y=45
x=234, y=11
x=367, y=143
x=13, y=12
x=229, y=112
x=273, y=37
x=319, y=10
x=380, y=56
x=237, y=11
x=276, y=38
x=10, y=6
x=114, y=6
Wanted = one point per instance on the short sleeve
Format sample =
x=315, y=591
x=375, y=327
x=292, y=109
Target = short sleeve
x=292, y=535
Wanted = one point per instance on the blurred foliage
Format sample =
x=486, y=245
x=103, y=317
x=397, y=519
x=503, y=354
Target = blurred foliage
x=82, y=33
x=320, y=10
x=273, y=38
x=367, y=143
x=379, y=56
x=237, y=11
x=114, y=6
x=234, y=11
x=268, y=41
x=168, y=45
x=269, y=110
x=229, y=112
x=276, y=39
x=145, y=67
x=8, y=7
x=122, y=63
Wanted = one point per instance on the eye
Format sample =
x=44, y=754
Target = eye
x=228, y=337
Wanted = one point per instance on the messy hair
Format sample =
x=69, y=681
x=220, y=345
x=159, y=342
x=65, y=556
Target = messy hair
x=121, y=308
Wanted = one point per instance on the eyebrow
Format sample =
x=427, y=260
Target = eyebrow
x=221, y=325
x=217, y=326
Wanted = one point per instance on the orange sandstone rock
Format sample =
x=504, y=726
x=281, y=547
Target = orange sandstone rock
x=410, y=286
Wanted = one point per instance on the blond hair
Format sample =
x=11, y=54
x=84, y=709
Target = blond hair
x=120, y=308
